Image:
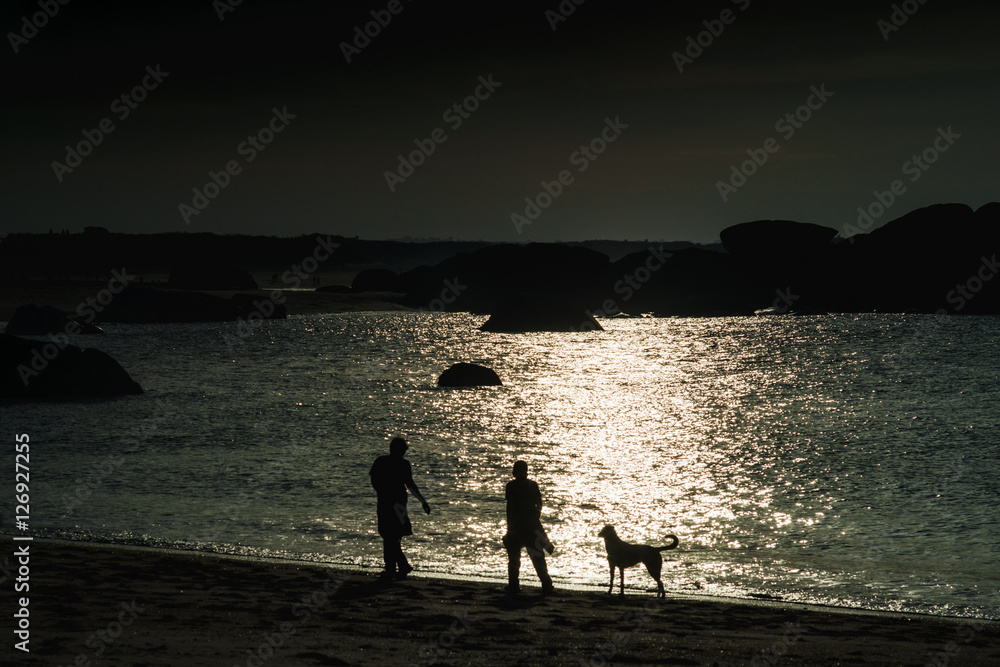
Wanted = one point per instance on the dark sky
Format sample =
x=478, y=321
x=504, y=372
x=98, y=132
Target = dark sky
x=659, y=179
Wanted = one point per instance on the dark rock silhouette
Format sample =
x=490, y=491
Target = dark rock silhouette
x=770, y=240
x=148, y=305
x=482, y=280
x=45, y=370
x=534, y=315
x=469, y=375
x=543, y=286
x=376, y=280
x=41, y=257
x=34, y=320
x=781, y=257
x=688, y=283
x=335, y=289
x=936, y=259
x=210, y=274
x=914, y=262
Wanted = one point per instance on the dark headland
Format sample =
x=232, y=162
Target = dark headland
x=938, y=259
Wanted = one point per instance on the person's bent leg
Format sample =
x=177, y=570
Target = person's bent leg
x=404, y=565
x=541, y=569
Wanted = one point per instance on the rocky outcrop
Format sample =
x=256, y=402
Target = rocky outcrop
x=210, y=275
x=34, y=320
x=528, y=316
x=335, y=289
x=691, y=282
x=148, y=305
x=477, y=281
x=769, y=240
x=469, y=375
x=780, y=257
x=936, y=259
x=43, y=370
x=376, y=280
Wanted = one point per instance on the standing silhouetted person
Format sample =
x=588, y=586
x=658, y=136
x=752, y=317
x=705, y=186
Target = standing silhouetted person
x=392, y=476
x=524, y=529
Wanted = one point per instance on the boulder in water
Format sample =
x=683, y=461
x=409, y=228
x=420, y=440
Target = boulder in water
x=44, y=370
x=469, y=375
x=531, y=316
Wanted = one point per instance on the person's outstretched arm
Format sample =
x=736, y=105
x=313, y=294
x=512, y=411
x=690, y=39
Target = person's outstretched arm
x=412, y=486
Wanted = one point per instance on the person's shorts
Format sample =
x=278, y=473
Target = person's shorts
x=393, y=521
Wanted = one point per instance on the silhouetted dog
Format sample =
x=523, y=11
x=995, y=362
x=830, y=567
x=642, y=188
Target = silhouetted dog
x=622, y=554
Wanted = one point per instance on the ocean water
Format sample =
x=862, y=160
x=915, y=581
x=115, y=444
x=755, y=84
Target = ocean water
x=848, y=460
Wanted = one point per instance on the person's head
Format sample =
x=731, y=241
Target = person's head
x=520, y=470
x=398, y=447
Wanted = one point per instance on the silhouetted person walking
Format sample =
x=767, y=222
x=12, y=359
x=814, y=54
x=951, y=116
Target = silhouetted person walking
x=391, y=476
x=524, y=529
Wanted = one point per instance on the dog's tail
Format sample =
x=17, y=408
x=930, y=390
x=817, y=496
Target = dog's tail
x=672, y=546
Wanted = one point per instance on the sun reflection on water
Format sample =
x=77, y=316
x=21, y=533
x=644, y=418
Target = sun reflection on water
x=800, y=457
x=727, y=432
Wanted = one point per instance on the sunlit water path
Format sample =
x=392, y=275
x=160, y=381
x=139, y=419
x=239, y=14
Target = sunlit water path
x=849, y=460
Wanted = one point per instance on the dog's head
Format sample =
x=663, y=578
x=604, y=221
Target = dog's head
x=607, y=531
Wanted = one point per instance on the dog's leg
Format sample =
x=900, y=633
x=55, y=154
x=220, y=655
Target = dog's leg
x=654, y=566
x=611, y=586
x=621, y=588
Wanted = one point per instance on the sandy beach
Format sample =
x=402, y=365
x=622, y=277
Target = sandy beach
x=103, y=605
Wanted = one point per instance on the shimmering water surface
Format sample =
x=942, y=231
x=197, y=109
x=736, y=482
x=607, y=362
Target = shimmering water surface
x=846, y=460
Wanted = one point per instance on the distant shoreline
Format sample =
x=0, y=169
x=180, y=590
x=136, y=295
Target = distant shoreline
x=300, y=302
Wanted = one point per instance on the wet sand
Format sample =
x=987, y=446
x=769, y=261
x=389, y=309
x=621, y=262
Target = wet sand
x=101, y=605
